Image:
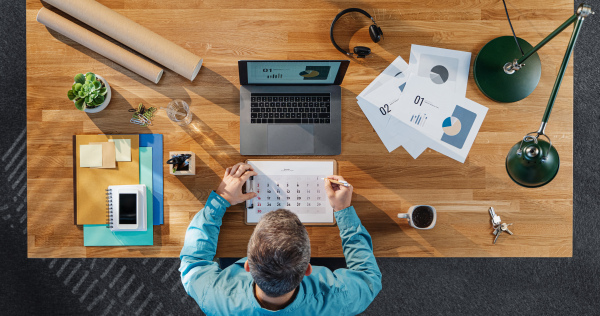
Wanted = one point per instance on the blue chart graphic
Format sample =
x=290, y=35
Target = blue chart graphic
x=401, y=87
x=457, y=127
x=419, y=119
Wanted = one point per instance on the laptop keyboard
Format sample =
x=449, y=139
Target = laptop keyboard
x=303, y=108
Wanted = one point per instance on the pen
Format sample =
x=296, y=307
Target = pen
x=344, y=183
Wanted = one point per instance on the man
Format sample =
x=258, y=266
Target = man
x=276, y=278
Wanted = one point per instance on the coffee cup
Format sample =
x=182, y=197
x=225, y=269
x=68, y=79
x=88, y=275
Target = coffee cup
x=420, y=216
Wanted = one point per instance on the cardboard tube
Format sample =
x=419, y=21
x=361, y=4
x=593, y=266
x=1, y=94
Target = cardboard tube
x=100, y=45
x=133, y=35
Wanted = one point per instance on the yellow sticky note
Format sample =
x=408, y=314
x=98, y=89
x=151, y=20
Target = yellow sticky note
x=108, y=154
x=123, y=149
x=90, y=156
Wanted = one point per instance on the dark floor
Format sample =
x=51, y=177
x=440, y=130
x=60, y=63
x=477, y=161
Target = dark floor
x=415, y=286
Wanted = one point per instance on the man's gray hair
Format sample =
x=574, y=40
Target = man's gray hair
x=278, y=252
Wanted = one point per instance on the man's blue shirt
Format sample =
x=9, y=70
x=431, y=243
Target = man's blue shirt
x=231, y=291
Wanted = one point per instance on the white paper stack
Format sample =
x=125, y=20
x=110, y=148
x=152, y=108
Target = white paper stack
x=422, y=104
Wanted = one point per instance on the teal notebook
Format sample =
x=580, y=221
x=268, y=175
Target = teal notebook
x=100, y=235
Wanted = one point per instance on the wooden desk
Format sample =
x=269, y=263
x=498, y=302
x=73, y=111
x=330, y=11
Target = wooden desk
x=223, y=32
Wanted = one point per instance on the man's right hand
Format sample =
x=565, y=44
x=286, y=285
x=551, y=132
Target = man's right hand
x=340, y=197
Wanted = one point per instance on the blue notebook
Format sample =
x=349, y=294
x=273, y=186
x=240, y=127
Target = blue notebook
x=156, y=142
x=101, y=235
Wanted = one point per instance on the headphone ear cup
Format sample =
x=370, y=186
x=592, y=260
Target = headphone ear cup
x=361, y=51
x=375, y=33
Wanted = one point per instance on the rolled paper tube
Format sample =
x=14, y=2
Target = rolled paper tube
x=133, y=35
x=100, y=45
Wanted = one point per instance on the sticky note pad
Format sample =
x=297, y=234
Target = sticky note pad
x=122, y=148
x=108, y=154
x=90, y=156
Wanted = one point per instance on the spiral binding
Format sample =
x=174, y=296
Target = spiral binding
x=109, y=209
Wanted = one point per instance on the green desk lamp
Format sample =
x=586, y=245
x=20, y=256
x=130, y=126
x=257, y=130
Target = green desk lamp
x=504, y=77
x=532, y=162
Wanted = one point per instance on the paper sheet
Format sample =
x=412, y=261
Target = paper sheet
x=108, y=154
x=444, y=68
x=122, y=148
x=446, y=123
x=291, y=184
x=396, y=73
x=90, y=156
x=395, y=69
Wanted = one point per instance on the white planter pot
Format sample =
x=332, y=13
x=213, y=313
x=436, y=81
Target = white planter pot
x=106, y=98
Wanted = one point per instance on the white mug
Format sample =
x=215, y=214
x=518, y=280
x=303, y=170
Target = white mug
x=428, y=211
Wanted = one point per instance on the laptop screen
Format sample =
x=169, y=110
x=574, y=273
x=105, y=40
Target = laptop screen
x=293, y=72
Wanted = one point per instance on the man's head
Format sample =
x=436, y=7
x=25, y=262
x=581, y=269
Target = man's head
x=279, y=253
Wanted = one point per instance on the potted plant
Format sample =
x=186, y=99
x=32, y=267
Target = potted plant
x=90, y=93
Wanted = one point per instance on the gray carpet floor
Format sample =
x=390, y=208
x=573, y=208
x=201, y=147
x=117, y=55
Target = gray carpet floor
x=437, y=286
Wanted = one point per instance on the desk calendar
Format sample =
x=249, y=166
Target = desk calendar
x=296, y=185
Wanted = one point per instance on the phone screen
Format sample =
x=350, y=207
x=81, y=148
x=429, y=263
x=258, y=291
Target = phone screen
x=127, y=208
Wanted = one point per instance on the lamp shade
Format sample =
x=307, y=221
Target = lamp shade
x=535, y=165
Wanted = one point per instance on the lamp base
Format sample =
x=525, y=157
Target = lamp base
x=532, y=172
x=489, y=74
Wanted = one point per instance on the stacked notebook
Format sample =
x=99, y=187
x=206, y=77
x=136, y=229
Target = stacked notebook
x=102, y=235
x=144, y=153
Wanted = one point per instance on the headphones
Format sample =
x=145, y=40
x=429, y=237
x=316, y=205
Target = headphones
x=374, y=31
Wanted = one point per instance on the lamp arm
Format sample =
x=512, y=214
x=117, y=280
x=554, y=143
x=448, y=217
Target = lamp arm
x=547, y=39
x=561, y=73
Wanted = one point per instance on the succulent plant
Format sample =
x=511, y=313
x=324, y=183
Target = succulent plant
x=87, y=91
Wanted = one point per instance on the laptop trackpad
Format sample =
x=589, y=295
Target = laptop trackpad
x=290, y=139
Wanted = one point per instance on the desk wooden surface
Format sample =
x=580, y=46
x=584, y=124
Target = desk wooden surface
x=222, y=32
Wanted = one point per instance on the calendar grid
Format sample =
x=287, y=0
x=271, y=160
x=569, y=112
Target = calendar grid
x=299, y=194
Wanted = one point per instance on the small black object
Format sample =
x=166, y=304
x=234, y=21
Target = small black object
x=317, y=106
x=361, y=51
x=180, y=162
x=374, y=31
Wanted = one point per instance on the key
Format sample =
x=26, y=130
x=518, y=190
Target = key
x=504, y=228
x=495, y=218
x=499, y=231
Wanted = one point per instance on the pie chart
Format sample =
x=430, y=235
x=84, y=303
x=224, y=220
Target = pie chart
x=439, y=74
x=310, y=73
x=451, y=126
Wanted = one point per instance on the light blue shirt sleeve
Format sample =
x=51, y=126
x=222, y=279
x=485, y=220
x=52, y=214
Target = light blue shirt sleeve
x=198, y=270
x=362, y=279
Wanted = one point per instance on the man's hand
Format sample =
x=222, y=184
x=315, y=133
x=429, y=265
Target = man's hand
x=233, y=180
x=340, y=197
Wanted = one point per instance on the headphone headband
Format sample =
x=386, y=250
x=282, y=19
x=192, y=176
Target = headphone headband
x=337, y=17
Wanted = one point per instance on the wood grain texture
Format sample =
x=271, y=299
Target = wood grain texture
x=223, y=32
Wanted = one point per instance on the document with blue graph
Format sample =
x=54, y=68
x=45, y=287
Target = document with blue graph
x=449, y=121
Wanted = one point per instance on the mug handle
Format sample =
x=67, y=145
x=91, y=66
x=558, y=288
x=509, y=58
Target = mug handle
x=407, y=214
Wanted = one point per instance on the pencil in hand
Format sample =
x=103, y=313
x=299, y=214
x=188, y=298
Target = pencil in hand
x=344, y=183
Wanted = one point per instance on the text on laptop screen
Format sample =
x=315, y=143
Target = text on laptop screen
x=281, y=72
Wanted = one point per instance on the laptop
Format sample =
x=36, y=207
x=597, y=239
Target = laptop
x=291, y=107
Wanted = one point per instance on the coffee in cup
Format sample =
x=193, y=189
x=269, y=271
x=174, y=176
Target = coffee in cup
x=420, y=216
